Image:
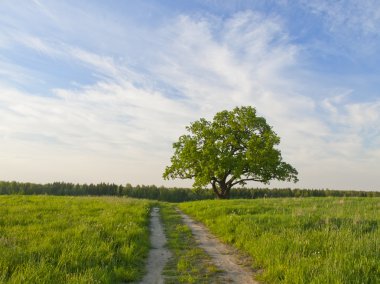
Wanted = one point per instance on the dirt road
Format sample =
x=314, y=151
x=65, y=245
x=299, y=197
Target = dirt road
x=222, y=256
x=159, y=254
x=225, y=258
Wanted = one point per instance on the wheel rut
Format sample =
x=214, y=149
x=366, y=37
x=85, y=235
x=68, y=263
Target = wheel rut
x=223, y=256
x=159, y=254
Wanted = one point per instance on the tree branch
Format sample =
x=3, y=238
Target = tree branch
x=214, y=188
x=246, y=179
x=229, y=183
x=225, y=176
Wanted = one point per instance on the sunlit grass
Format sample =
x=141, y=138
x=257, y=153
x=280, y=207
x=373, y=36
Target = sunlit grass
x=45, y=239
x=311, y=240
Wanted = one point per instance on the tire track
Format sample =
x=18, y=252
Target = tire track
x=159, y=254
x=222, y=255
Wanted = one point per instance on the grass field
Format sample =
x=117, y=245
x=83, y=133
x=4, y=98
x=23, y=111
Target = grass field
x=300, y=240
x=46, y=239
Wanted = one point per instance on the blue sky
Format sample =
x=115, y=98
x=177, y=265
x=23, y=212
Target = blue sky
x=96, y=91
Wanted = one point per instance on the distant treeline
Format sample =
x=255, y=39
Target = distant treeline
x=166, y=194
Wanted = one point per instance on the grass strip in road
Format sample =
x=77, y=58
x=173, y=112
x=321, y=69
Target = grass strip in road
x=189, y=263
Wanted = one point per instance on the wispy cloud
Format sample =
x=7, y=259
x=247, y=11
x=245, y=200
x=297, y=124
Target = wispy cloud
x=352, y=16
x=120, y=128
x=351, y=26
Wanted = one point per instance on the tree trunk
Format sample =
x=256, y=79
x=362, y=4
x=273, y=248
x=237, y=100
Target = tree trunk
x=216, y=190
x=224, y=196
x=222, y=191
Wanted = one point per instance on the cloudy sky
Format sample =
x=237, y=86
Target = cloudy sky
x=96, y=91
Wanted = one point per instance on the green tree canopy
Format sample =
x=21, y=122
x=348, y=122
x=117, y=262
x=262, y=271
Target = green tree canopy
x=235, y=147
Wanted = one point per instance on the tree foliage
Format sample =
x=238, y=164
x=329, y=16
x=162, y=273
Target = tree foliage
x=235, y=147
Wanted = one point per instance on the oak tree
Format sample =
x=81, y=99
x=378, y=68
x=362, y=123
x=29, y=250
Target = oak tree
x=235, y=147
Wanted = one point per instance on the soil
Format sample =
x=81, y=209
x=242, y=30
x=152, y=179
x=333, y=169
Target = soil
x=159, y=254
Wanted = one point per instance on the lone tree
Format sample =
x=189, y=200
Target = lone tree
x=236, y=147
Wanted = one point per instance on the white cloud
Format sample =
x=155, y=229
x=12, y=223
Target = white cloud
x=358, y=127
x=121, y=128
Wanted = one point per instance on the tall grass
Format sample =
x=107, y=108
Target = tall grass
x=312, y=240
x=45, y=239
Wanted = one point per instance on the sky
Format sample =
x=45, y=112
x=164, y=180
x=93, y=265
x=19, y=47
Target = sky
x=97, y=91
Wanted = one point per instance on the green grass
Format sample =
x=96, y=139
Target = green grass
x=45, y=239
x=189, y=264
x=312, y=240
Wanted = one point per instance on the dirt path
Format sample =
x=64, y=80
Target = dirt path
x=158, y=255
x=222, y=256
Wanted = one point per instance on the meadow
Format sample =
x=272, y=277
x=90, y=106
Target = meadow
x=300, y=240
x=63, y=239
x=50, y=239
